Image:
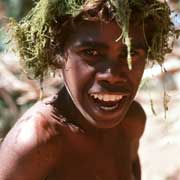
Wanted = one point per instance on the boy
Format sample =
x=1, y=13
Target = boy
x=91, y=128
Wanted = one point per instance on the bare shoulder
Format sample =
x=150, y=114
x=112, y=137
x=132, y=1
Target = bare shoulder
x=134, y=121
x=28, y=150
x=133, y=127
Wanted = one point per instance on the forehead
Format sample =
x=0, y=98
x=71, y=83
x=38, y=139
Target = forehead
x=98, y=31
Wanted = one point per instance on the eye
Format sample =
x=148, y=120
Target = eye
x=134, y=52
x=123, y=56
x=90, y=52
x=90, y=55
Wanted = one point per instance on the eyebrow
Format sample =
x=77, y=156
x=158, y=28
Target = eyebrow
x=97, y=44
x=94, y=44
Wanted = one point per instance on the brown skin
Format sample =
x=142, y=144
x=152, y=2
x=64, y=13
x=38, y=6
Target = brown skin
x=55, y=139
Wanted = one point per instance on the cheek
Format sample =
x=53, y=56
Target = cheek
x=77, y=74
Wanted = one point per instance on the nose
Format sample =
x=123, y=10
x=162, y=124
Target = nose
x=111, y=77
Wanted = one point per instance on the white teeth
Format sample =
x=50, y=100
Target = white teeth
x=109, y=108
x=107, y=97
x=95, y=96
x=100, y=97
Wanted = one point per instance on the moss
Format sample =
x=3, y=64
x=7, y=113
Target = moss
x=35, y=37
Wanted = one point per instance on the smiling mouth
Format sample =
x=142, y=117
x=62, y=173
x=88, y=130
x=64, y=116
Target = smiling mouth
x=107, y=102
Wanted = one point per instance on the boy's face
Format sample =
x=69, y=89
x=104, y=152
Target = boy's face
x=96, y=73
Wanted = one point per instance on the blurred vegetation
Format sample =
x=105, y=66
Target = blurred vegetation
x=17, y=93
x=12, y=8
x=9, y=109
x=17, y=8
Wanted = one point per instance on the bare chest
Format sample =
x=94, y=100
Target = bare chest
x=84, y=160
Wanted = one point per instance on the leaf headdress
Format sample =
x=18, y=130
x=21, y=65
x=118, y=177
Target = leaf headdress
x=35, y=34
